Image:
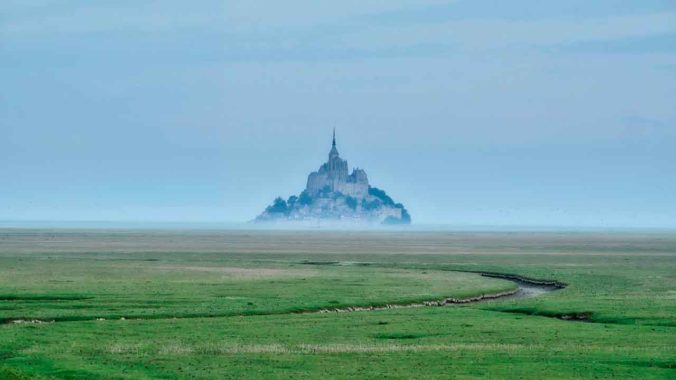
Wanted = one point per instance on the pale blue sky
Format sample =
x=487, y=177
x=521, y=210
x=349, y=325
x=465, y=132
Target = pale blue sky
x=469, y=112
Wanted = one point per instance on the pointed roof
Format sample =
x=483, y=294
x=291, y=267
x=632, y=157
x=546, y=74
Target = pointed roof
x=334, y=151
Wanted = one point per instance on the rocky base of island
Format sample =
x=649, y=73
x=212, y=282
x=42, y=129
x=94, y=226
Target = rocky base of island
x=330, y=207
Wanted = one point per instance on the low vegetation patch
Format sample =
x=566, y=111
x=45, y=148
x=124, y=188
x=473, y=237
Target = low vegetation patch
x=582, y=316
x=42, y=297
x=400, y=336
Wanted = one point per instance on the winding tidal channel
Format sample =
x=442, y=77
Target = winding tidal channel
x=527, y=288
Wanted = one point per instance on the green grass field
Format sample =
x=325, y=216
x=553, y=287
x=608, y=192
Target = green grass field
x=170, y=304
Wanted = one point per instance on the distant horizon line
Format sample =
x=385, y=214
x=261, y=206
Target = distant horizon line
x=248, y=225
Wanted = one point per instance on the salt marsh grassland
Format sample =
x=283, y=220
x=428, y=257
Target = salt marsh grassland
x=232, y=304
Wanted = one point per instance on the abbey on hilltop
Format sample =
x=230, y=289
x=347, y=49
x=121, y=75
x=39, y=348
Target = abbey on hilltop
x=335, y=195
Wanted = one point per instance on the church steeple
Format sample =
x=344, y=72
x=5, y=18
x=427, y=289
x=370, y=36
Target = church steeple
x=334, y=151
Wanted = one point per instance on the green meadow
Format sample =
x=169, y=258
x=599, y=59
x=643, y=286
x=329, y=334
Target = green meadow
x=115, y=304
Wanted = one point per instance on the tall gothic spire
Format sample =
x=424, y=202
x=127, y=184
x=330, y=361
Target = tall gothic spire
x=334, y=151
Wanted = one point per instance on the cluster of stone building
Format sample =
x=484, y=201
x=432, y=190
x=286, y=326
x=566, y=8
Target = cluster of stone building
x=333, y=175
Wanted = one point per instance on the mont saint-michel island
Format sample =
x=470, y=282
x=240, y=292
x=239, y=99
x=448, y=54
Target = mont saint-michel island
x=334, y=195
